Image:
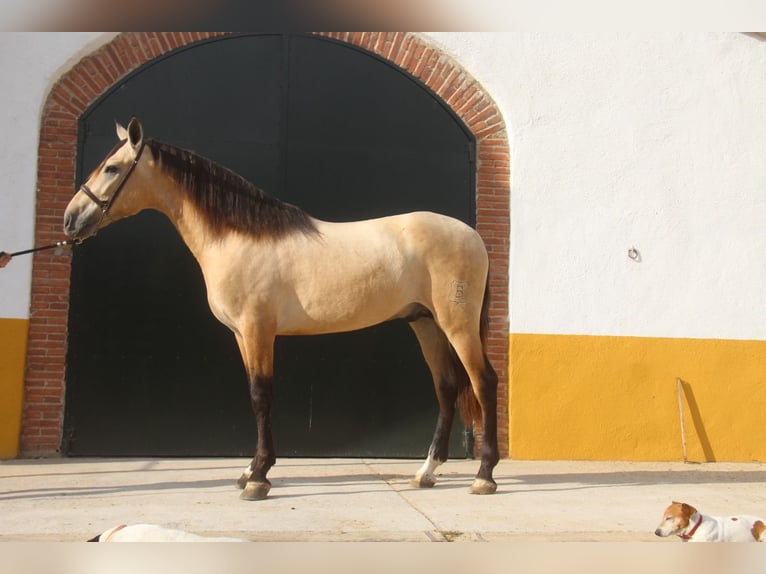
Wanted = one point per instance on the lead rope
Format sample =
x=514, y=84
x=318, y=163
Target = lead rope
x=43, y=248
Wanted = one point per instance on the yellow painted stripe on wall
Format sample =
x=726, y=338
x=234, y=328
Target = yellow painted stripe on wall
x=615, y=398
x=13, y=352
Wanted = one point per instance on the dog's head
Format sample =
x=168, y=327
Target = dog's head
x=675, y=519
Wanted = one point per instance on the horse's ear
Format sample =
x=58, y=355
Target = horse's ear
x=122, y=133
x=135, y=133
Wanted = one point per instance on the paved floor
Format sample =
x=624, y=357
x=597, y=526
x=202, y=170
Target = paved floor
x=366, y=500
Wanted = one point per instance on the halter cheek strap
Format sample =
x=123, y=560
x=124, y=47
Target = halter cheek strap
x=106, y=204
x=686, y=537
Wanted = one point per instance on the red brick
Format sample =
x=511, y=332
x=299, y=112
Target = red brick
x=396, y=46
x=402, y=57
x=114, y=61
x=377, y=44
x=165, y=41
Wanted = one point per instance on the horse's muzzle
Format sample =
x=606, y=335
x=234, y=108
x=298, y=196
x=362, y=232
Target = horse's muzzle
x=79, y=224
x=69, y=224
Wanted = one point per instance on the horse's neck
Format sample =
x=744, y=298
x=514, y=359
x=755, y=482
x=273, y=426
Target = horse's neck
x=192, y=226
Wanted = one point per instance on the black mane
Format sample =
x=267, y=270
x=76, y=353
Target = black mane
x=227, y=200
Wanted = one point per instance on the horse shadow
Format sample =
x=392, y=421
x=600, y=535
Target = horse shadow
x=308, y=485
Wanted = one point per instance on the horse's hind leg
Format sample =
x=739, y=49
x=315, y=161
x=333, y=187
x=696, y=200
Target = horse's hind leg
x=484, y=382
x=490, y=455
x=436, y=351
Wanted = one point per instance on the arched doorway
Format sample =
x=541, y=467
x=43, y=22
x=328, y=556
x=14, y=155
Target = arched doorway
x=79, y=95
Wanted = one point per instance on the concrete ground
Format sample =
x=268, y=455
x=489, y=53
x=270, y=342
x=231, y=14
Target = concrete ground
x=69, y=499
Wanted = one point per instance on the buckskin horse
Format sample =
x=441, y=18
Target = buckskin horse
x=271, y=269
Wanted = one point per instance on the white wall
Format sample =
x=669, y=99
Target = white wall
x=29, y=63
x=652, y=141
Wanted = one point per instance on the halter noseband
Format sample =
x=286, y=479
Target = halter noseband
x=106, y=204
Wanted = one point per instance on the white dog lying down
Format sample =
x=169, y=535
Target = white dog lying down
x=154, y=533
x=685, y=522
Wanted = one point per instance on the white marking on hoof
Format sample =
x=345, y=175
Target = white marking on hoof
x=426, y=481
x=255, y=491
x=482, y=486
x=242, y=481
x=425, y=477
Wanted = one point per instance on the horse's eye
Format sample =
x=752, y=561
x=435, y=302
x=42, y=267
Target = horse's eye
x=111, y=169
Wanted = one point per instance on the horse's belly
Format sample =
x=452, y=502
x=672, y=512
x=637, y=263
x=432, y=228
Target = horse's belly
x=339, y=310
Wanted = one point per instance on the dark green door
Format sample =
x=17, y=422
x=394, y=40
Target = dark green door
x=318, y=123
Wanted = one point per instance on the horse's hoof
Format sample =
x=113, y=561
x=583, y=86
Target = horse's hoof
x=483, y=486
x=255, y=491
x=424, y=481
x=242, y=480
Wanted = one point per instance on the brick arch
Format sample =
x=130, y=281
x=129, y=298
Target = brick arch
x=79, y=88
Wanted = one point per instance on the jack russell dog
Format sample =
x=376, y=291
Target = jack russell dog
x=690, y=525
x=155, y=533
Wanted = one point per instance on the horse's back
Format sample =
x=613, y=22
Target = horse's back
x=359, y=273
x=445, y=245
x=417, y=241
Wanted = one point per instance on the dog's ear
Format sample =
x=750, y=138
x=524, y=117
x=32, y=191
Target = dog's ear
x=688, y=510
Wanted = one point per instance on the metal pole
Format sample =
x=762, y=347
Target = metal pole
x=679, y=384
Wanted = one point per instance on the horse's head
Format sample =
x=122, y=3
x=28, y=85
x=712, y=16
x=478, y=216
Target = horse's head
x=96, y=203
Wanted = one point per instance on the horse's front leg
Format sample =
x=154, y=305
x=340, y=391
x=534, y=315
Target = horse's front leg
x=258, y=356
x=261, y=395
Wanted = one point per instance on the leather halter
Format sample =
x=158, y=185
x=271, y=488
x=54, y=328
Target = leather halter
x=106, y=204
